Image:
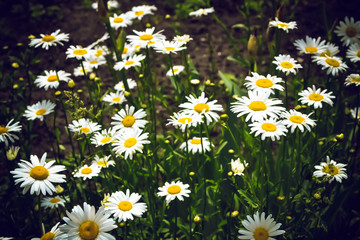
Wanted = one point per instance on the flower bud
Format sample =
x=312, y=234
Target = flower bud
x=252, y=46
x=197, y=219
x=195, y=81
x=59, y=189
x=234, y=213
x=71, y=84
x=15, y=65
x=12, y=152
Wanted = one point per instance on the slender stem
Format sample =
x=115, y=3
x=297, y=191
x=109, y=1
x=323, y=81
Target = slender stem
x=175, y=219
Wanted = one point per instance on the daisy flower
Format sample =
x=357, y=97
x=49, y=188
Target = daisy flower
x=270, y=128
x=174, y=190
x=104, y=137
x=313, y=96
x=48, y=40
x=78, y=52
x=286, y=64
x=128, y=51
x=127, y=119
x=111, y=4
x=352, y=79
x=140, y=11
x=130, y=143
x=50, y=80
x=330, y=50
x=237, y=167
x=94, y=62
x=129, y=62
x=6, y=134
x=145, y=37
x=39, y=110
x=79, y=71
x=310, y=45
x=195, y=145
x=183, y=120
x=176, y=69
x=184, y=39
x=125, y=206
x=258, y=227
x=201, y=106
x=201, y=12
x=114, y=98
x=334, y=65
x=257, y=106
x=38, y=175
x=294, y=119
x=6, y=238
x=84, y=125
x=349, y=31
x=330, y=170
x=86, y=223
x=53, y=234
x=167, y=47
x=53, y=202
x=353, y=53
x=121, y=21
x=120, y=86
x=103, y=162
x=87, y=172
x=353, y=113
x=260, y=82
x=282, y=25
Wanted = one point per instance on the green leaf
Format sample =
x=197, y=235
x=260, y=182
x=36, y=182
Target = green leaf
x=230, y=83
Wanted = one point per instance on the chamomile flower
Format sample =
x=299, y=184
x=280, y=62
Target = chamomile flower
x=48, y=40
x=131, y=142
x=120, y=86
x=184, y=39
x=294, y=119
x=38, y=176
x=286, y=64
x=111, y=4
x=310, y=45
x=237, y=167
x=330, y=51
x=53, y=234
x=260, y=228
x=143, y=38
x=121, y=21
x=86, y=223
x=167, y=47
x=174, y=190
x=268, y=128
x=128, y=51
x=282, y=25
x=353, y=53
x=94, y=62
x=260, y=82
x=84, y=125
x=349, y=31
x=201, y=12
x=125, y=206
x=129, y=62
x=195, y=145
x=103, y=162
x=6, y=132
x=330, y=170
x=140, y=11
x=352, y=79
x=53, y=202
x=78, y=52
x=177, y=69
x=87, y=172
x=80, y=72
x=127, y=119
x=104, y=137
x=353, y=113
x=39, y=110
x=50, y=79
x=183, y=120
x=257, y=106
x=201, y=106
x=316, y=97
x=114, y=98
x=334, y=65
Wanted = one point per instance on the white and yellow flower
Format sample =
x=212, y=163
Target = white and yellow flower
x=183, y=120
x=94, y=62
x=352, y=79
x=79, y=52
x=313, y=96
x=120, y=85
x=311, y=45
x=121, y=21
x=127, y=119
x=184, y=39
x=330, y=51
x=140, y=11
x=130, y=142
x=144, y=38
x=331, y=170
x=48, y=40
x=104, y=137
x=353, y=53
x=237, y=167
x=349, y=31
x=167, y=47
x=129, y=62
x=282, y=25
x=51, y=80
x=174, y=190
x=334, y=65
x=114, y=98
x=88, y=172
x=260, y=82
x=53, y=202
x=111, y=4
x=196, y=145
x=6, y=132
x=84, y=125
x=286, y=64
x=80, y=71
x=353, y=113
x=177, y=69
x=39, y=110
x=294, y=119
x=201, y=12
x=268, y=128
x=53, y=234
x=103, y=162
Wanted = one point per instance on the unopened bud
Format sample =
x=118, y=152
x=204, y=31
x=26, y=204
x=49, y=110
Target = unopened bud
x=197, y=219
x=230, y=173
x=12, y=152
x=297, y=107
x=280, y=198
x=195, y=81
x=231, y=151
x=15, y=65
x=71, y=84
x=15, y=86
x=191, y=173
x=57, y=93
x=126, y=93
x=167, y=16
x=92, y=76
x=59, y=189
x=234, y=213
x=317, y=195
x=224, y=117
x=252, y=45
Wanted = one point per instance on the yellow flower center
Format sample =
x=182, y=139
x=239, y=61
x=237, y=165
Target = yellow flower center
x=52, y=78
x=261, y=234
x=48, y=38
x=150, y=43
x=105, y=140
x=102, y=163
x=125, y=50
x=3, y=130
x=174, y=189
x=185, y=120
x=40, y=112
x=117, y=99
x=88, y=230
x=130, y=142
x=175, y=70
x=93, y=62
x=195, y=141
x=85, y=130
x=48, y=236
x=264, y=83
x=331, y=169
x=129, y=63
x=125, y=206
x=257, y=106
x=283, y=25
x=287, y=65
x=80, y=52
x=358, y=54
x=86, y=170
x=297, y=119
x=311, y=49
x=332, y=62
x=169, y=48
x=316, y=97
x=55, y=200
x=356, y=80
x=350, y=32
x=200, y=107
x=139, y=13
x=269, y=127
x=39, y=173
x=128, y=121
x=118, y=20
x=146, y=37
x=98, y=53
